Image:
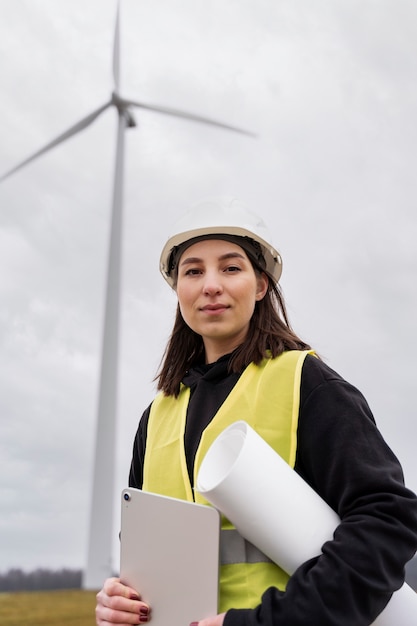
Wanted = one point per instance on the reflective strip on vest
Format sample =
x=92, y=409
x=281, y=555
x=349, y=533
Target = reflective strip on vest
x=235, y=549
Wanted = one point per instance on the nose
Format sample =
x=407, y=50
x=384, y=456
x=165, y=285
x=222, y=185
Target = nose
x=212, y=284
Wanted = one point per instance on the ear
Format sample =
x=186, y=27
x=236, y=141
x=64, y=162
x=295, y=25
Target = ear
x=261, y=286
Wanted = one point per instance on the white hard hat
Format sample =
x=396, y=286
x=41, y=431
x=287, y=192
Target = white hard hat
x=220, y=216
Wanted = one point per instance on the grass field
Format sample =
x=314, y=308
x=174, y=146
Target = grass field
x=48, y=608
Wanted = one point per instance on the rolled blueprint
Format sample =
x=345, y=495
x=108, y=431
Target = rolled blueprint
x=275, y=509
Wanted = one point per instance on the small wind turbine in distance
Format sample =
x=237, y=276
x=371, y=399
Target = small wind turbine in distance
x=99, y=564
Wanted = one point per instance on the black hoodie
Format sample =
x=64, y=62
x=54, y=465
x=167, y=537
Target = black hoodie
x=343, y=456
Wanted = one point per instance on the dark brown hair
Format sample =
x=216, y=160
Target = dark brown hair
x=269, y=331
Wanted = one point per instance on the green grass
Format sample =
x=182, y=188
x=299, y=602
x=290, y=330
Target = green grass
x=48, y=608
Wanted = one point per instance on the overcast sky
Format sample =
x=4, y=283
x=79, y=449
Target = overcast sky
x=329, y=87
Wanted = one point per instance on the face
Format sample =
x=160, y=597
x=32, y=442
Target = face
x=217, y=289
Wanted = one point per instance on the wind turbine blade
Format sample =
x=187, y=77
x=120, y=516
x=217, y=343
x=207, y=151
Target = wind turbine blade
x=71, y=131
x=116, y=51
x=188, y=116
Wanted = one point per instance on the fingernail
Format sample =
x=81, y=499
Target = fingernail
x=144, y=611
x=134, y=596
x=194, y=624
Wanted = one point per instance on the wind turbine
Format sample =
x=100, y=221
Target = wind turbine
x=100, y=535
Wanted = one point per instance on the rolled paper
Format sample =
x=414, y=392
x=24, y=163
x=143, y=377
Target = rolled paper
x=272, y=507
x=243, y=477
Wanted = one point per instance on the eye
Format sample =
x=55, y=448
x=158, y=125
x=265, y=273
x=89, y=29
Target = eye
x=192, y=271
x=232, y=269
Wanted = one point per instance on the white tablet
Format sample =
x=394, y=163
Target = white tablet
x=169, y=553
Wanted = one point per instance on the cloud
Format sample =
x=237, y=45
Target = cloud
x=330, y=90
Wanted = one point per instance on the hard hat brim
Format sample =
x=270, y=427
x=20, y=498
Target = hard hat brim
x=273, y=260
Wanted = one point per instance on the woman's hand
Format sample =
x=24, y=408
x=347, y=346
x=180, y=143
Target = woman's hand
x=210, y=621
x=120, y=604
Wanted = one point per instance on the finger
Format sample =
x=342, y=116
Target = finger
x=114, y=587
x=110, y=615
x=121, y=619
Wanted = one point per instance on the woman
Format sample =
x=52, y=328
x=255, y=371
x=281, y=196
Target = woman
x=232, y=352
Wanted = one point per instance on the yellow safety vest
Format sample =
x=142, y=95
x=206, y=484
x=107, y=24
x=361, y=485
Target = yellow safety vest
x=267, y=397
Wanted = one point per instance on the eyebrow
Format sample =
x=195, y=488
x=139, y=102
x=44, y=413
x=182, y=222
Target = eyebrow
x=223, y=257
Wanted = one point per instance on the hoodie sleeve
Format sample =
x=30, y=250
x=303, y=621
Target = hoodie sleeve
x=138, y=453
x=344, y=457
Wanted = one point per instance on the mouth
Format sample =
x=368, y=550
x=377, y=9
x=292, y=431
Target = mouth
x=214, y=308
